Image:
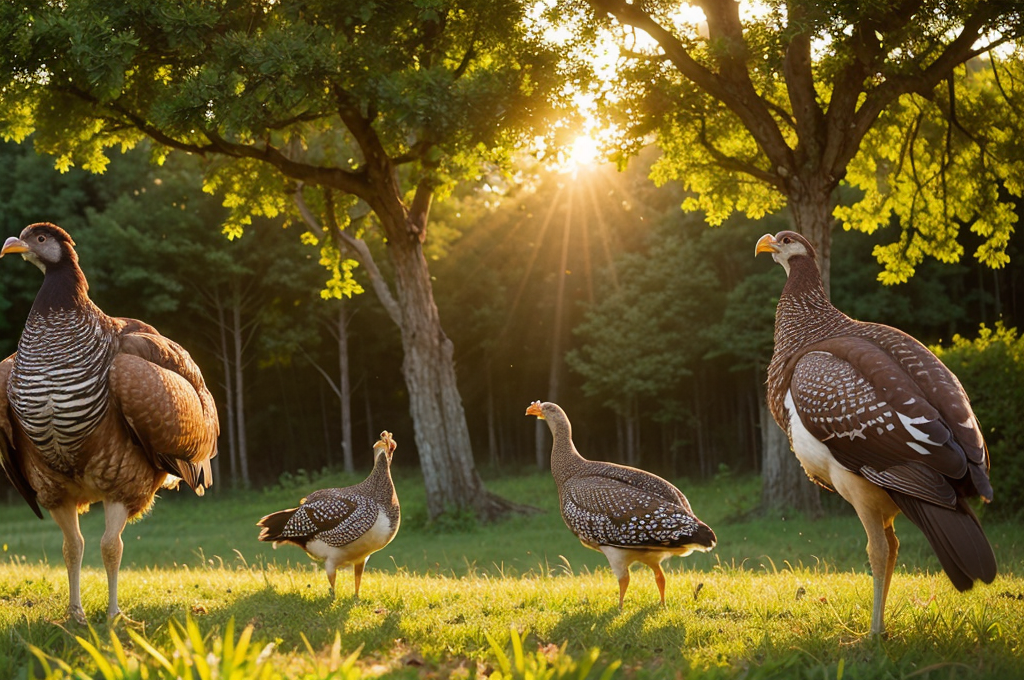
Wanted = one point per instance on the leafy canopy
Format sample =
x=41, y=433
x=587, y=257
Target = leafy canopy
x=761, y=105
x=351, y=95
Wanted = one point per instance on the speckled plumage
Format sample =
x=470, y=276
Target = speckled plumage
x=96, y=408
x=873, y=414
x=343, y=526
x=630, y=515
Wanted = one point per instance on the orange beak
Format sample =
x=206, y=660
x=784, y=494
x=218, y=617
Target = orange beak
x=765, y=244
x=14, y=245
x=534, y=410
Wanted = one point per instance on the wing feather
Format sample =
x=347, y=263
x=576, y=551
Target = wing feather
x=10, y=459
x=855, y=398
x=164, y=400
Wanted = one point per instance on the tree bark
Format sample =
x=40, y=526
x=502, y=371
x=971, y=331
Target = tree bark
x=239, y=343
x=811, y=211
x=439, y=421
x=345, y=389
x=229, y=392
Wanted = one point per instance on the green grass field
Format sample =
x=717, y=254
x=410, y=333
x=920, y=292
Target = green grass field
x=778, y=597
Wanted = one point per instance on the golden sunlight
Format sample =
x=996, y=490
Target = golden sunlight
x=584, y=151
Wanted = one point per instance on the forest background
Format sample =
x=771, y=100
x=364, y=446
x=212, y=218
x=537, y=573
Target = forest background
x=653, y=328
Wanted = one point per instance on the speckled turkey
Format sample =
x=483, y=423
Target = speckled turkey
x=872, y=414
x=345, y=526
x=96, y=408
x=628, y=514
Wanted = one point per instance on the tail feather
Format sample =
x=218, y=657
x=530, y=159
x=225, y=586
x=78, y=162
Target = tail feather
x=273, y=526
x=199, y=476
x=956, y=537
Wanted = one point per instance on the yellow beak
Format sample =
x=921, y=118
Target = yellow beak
x=765, y=244
x=14, y=245
x=534, y=410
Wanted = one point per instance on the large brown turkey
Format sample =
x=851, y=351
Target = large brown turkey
x=95, y=408
x=872, y=414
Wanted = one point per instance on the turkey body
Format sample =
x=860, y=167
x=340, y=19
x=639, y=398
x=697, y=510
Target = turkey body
x=629, y=515
x=95, y=408
x=342, y=527
x=872, y=414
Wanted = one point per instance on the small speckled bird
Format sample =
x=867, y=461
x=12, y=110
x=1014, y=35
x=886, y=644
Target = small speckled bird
x=96, y=408
x=343, y=527
x=628, y=514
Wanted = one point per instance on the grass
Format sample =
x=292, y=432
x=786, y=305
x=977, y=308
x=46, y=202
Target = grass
x=779, y=597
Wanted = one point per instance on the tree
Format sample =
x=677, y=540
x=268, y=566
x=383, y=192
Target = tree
x=775, y=108
x=643, y=335
x=384, y=103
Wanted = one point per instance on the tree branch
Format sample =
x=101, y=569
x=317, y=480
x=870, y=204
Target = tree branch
x=361, y=253
x=732, y=86
x=923, y=82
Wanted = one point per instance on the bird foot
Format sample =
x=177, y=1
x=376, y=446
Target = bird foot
x=77, y=614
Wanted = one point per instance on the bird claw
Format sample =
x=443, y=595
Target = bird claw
x=77, y=614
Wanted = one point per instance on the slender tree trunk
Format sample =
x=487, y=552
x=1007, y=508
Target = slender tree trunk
x=493, y=455
x=345, y=389
x=555, y=367
x=229, y=392
x=239, y=341
x=370, y=429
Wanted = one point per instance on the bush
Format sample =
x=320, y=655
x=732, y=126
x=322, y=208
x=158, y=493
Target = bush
x=991, y=369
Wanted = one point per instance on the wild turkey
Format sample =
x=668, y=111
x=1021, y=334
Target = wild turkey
x=96, y=408
x=872, y=414
x=628, y=514
x=343, y=526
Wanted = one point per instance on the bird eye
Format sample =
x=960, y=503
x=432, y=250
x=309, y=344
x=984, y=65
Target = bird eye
x=786, y=239
x=41, y=238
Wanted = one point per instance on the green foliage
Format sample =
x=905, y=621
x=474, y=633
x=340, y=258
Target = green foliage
x=193, y=655
x=639, y=339
x=544, y=664
x=991, y=369
x=757, y=110
x=935, y=176
x=274, y=90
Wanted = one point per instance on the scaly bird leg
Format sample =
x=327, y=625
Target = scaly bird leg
x=66, y=517
x=878, y=556
x=894, y=549
x=357, y=572
x=659, y=578
x=332, y=572
x=112, y=547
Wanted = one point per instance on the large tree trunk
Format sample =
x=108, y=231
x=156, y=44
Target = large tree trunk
x=439, y=421
x=812, y=217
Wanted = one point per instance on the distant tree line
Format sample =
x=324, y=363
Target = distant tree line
x=666, y=324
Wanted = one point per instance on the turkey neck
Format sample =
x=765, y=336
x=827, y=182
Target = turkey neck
x=565, y=459
x=804, y=315
x=380, y=484
x=64, y=287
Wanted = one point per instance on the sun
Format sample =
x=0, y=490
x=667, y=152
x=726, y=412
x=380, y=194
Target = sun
x=584, y=151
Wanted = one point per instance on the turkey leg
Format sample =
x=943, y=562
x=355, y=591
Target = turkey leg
x=111, y=546
x=66, y=517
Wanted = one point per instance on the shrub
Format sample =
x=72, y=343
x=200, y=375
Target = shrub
x=991, y=369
